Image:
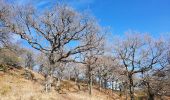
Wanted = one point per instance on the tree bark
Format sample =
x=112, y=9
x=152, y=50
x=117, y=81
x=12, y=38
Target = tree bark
x=150, y=94
x=49, y=80
x=105, y=83
x=100, y=83
x=131, y=87
x=75, y=80
x=90, y=83
x=116, y=86
x=112, y=86
x=125, y=85
x=49, y=76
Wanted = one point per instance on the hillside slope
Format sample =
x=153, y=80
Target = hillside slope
x=13, y=86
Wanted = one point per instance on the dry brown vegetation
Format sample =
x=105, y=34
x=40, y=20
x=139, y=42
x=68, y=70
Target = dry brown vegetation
x=15, y=87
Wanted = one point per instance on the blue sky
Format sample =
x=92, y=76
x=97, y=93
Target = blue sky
x=146, y=16
x=151, y=16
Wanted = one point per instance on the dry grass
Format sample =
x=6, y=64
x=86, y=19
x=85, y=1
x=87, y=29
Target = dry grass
x=15, y=87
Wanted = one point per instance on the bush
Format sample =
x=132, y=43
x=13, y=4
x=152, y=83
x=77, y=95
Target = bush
x=8, y=57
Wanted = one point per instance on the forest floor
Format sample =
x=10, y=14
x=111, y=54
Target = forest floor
x=13, y=86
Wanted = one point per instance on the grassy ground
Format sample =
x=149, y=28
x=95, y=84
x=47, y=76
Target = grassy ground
x=13, y=86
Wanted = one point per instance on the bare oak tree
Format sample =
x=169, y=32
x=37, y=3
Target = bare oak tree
x=105, y=67
x=138, y=54
x=90, y=57
x=59, y=32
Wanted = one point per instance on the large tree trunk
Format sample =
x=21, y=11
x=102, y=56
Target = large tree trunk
x=90, y=79
x=150, y=94
x=49, y=76
x=49, y=80
x=125, y=86
x=131, y=87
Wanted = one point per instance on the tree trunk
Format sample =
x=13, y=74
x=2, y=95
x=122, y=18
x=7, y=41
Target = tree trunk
x=49, y=76
x=105, y=83
x=90, y=83
x=116, y=86
x=49, y=80
x=150, y=94
x=112, y=86
x=69, y=78
x=131, y=87
x=75, y=80
x=126, y=93
x=120, y=90
x=125, y=90
x=90, y=79
x=100, y=83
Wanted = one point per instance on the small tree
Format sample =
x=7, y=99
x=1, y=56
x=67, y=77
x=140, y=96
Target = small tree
x=90, y=57
x=29, y=60
x=105, y=69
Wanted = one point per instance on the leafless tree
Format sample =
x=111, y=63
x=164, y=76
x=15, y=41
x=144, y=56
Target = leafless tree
x=53, y=32
x=154, y=83
x=77, y=71
x=89, y=57
x=4, y=33
x=155, y=80
x=104, y=69
x=138, y=54
x=29, y=60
